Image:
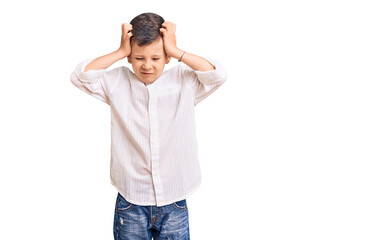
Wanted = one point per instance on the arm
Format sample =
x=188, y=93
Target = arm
x=203, y=76
x=193, y=61
x=124, y=50
x=98, y=82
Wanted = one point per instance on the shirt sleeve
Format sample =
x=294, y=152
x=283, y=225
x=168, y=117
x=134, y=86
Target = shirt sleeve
x=204, y=83
x=91, y=82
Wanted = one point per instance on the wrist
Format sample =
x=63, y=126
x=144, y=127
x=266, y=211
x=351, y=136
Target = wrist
x=177, y=53
x=121, y=53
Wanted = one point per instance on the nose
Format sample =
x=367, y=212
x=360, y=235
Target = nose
x=146, y=65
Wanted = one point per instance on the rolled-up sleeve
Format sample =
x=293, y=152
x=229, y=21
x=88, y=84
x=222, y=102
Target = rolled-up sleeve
x=205, y=83
x=91, y=81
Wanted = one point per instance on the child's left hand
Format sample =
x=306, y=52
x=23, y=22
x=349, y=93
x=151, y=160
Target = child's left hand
x=169, y=40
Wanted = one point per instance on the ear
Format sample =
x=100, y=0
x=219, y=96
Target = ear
x=129, y=59
x=168, y=58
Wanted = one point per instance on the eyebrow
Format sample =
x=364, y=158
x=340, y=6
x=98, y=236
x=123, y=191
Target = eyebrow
x=153, y=56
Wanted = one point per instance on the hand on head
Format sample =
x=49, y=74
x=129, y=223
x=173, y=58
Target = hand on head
x=168, y=35
x=169, y=39
x=125, y=45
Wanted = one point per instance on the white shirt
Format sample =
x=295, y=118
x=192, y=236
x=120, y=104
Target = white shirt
x=154, y=158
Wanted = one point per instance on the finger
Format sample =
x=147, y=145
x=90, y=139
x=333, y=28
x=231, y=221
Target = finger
x=166, y=24
x=126, y=24
x=126, y=27
x=163, y=31
x=170, y=26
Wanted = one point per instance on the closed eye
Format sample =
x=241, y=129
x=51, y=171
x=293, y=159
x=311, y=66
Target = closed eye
x=156, y=59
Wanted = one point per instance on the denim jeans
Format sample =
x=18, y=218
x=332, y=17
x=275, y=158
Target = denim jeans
x=133, y=221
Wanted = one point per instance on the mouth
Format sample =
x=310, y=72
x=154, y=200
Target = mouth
x=146, y=74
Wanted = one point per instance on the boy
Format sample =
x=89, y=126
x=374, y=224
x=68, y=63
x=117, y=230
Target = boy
x=154, y=164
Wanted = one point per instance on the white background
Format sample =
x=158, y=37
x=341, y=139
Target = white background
x=287, y=144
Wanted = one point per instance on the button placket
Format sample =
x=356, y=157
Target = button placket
x=154, y=144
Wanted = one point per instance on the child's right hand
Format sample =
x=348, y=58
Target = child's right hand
x=125, y=45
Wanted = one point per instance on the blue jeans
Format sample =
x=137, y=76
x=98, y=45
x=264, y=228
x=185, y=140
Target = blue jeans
x=133, y=221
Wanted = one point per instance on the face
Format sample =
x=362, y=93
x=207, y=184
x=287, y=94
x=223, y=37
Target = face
x=148, y=61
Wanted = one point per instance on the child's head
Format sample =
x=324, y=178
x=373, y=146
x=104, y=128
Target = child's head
x=148, y=57
x=146, y=28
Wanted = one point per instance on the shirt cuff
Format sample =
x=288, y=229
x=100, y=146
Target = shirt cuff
x=212, y=76
x=89, y=76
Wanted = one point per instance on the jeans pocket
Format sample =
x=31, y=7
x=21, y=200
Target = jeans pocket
x=123, y=205
x=181, y=205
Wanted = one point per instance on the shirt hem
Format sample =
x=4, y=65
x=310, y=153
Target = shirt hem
x=185, y=196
